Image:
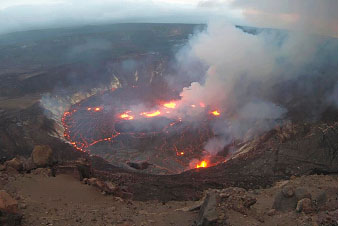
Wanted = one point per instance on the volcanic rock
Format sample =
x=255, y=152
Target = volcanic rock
x=42, y=155
x=288, y=191
x=208, y=214
x=283, y=203
x=84, y=181
x=101, y=185
x=7, y=203
x=271, y=212
x=10, y=219
x=194, y=207
x=111, y=187
x=15, y=163
x=28, y=164
x=92, y=181
x=305, y=205
x=249, y=201
x=302, y=193
x=23, y=206
x=104, y=186
x=11, y=171
x=321, y=199
x=237, y=199
x=123, y=194
x=84, y=168
x=42, y=171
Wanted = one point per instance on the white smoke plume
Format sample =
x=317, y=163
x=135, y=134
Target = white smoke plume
x=243, y=70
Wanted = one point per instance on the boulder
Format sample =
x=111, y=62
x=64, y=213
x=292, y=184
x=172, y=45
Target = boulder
x=15, y=163
x=304, y=205
x=84, y=181
x=271, y=212
x=104, y=186
x=101, y=185
x=28, y=164
x=302, y=193
x=92, y=181
x=248, y=201
x=110, y=186
x=7, y=203
x=288, y=191
x=11, y=171
x=283, y=203
x=208, y=213
x=42, y=155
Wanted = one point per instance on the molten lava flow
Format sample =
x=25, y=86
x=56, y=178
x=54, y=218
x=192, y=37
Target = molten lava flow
x=215, y=113
x=170, y=104
x=94, y=109
x=151, y=114
x=126, y=116
x=202, y=164
x=65, y=117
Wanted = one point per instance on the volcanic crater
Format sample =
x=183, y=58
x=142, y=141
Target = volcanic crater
x=130, y=126
x=126, y=123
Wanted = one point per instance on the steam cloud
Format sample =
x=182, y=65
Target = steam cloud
x=250, y=78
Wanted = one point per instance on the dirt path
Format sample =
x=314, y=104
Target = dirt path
x=62, y=200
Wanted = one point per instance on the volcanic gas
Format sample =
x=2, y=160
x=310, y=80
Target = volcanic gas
x=125, y=126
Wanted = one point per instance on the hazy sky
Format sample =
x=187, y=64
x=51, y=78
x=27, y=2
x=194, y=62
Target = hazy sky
x=318, y=16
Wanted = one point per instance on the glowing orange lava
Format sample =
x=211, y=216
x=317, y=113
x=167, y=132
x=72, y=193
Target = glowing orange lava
x=151, y=114
x=83, y=139
x=202, y=164
x=170, y=104
x=126, y=116
x=215, y=113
